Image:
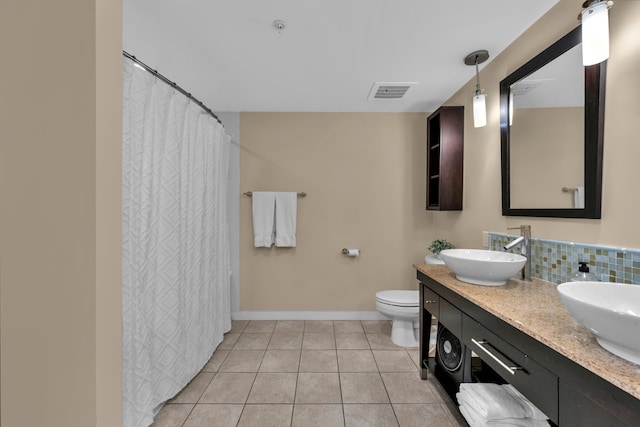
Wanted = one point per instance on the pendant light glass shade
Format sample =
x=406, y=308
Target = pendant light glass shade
x=479, y=110
x=479, y=104
x=595, y=33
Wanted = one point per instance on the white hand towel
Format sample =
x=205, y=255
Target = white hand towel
x=286, y=212
x=490, y=401
x=578, y=198
x=531, y=409
x=474, y=420
x=264, y=208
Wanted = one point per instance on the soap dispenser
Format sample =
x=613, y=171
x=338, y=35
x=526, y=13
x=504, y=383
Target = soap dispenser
x=583, y=274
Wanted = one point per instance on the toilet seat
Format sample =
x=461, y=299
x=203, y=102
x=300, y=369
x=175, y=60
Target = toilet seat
x=399, y=298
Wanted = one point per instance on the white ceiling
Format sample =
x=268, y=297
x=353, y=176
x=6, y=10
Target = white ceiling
x=227, y=54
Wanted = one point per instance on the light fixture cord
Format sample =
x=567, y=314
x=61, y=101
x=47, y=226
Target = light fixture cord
x=477, y=78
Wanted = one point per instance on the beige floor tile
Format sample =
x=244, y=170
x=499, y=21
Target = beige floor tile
x=408, y=388
x=438, y=391
x=318, y=361
x=394, y=361
x=377, y=327
x=260, y=326
x=421, y=415
x=192, y=391
x=415, y=356
x=318, y=327
x=273, y=388
x=362, y=388
x=172, y=415
x=266, y=416
x=216, y=361
x=369, y=416
x=285, y=341
x=317, y=416
x=237, y=326
x=382, y=342
x=454, y=415
x=228, y=342
x=228, y=388
x=312, y=341
x=318, y=388
x=242, y=361
x=290, y=326
x=352, y=341
x=205, y=415
x=280, y=361
x=253, y=341
x=347, y=326
x=356, y=361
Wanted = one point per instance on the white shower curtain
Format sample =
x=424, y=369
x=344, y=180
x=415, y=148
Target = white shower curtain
x=175, y=254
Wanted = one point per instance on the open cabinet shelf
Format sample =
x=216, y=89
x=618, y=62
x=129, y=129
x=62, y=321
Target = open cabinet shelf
x=445, y=143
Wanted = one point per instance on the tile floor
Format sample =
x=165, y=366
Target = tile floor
x=310, y=373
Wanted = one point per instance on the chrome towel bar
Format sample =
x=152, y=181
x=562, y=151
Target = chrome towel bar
x=250, y=194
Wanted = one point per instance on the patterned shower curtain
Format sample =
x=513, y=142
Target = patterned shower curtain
x=175, y=253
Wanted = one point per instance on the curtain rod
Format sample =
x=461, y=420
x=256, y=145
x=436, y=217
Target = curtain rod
x=170, y=83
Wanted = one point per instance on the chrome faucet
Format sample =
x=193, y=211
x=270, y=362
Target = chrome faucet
x=525, y=248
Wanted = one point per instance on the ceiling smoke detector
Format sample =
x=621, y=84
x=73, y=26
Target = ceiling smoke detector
x=279, y=25
x=389, y=91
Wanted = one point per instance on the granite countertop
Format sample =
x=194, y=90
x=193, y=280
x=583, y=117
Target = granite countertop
x=540, y=314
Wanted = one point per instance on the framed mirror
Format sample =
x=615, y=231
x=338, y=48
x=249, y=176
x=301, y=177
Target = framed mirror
x=552, y=131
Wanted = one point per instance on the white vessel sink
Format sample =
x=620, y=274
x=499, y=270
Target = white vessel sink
x=610, y=310
x=482, y=267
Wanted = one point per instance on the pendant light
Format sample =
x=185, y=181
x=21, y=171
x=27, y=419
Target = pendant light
x=595, y=31
x=479, y=101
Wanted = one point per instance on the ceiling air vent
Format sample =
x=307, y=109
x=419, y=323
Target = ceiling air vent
x=389, y=91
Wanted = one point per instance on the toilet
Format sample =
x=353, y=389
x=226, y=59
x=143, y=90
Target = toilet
x=402, y=307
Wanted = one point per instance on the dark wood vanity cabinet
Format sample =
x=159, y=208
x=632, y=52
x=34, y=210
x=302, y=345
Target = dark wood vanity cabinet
x=445, y=140
x=566, y=392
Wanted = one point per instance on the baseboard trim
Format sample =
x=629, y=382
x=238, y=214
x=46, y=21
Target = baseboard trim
x=307, y=315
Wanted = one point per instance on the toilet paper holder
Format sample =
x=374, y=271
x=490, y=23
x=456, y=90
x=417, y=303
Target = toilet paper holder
x=350, y=252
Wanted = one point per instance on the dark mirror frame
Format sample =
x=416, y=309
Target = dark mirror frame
x=594, y=92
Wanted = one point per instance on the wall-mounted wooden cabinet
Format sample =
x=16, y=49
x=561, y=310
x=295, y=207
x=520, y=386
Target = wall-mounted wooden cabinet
x=445, y=141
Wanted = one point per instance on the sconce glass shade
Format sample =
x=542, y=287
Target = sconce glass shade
x=595, y=33
x=479, y=111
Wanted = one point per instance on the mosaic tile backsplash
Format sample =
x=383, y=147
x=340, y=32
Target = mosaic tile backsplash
x=556, y=261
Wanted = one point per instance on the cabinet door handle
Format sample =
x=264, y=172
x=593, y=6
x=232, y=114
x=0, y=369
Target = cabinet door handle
x=430, y=302
x=510, y=369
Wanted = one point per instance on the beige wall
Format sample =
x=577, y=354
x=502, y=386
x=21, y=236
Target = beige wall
x=364, y=174
x=553, y=137
x=59, y=230
x=108, y=212
x=621, y=200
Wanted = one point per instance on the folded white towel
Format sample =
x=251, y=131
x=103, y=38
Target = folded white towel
x=286, y=211
x=474, y=420
x=490, y=401
x=264, y=205
x=531, y=409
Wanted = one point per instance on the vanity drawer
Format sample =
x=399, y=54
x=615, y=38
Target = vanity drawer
x=450, y=317
x=538, y=384
x=431, y=302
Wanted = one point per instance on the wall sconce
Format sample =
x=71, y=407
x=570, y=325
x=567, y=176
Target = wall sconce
x=479, y=102
x=595, y=31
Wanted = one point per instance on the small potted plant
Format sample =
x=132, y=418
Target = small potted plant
x=440, y=245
